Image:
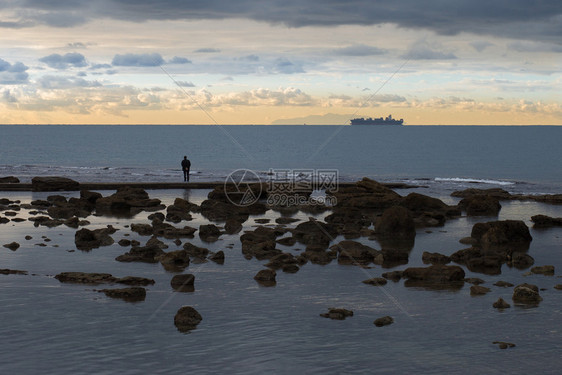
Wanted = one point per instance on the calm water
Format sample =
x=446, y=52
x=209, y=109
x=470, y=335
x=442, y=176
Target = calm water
x=524, y=159
x=50, y=327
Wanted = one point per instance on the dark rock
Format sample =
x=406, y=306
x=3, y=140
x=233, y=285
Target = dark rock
x=503, y=284
x=526, y=294
x=135, y=280
x=286, y=220
x=366, y=194
x=337, y=314
x=287, y=241
x=504, y=345
x=352, y=252
x=54, y=184
x=12, y=246
x=521, y=260
x=543, y=221
x=209, y=232
x=9, y=180
x=314, y=232
x=133, y=294
x=124, y=242
x=384, y=321
x=217, y=257
x=558, y=286
x=183, y=283
x=142, y=229
x=266, y=277
x=195, y=251
x=477, y=290
x=468, y=241
x=434, y=276
x=494, y=192
x=543, y=270
x=147, y=254
x=232, y=226
x=85, y=278
x=501, y=304
x=376, y=281
x=396, y=222
x=474, y=280
x=127, y=201
x=509, y=233
x=187, y=319
x=393, y=275
x=480, y=205
x=174, y=261
x=6, y=271
x=86, y=239
x=435, y=258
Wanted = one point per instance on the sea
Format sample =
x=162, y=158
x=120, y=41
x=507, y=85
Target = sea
x=55, y=328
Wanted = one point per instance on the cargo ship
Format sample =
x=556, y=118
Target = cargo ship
x=376, y=121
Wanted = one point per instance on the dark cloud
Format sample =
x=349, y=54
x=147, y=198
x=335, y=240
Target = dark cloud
x=179, y=60
x=207, y=50
x=520, y=19
x=358, y=50
x=13, y=74
x=133, y=59
x=422, y=50
x=72, y=59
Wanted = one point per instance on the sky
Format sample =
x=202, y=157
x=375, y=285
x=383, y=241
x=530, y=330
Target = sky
x=432, y=62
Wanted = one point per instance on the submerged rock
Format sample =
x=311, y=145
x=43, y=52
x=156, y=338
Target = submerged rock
x=543, y=270
x=337, y=314
x=134, y=294
x=266, y=277
x=384, y=321
x=478, y=290
x=543, y=221
x=501, y=304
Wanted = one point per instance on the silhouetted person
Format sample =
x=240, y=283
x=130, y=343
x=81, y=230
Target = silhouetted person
x=185, y=165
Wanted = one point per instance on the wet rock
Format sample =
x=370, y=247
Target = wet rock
x=314, y=232
x=384, y=321
x=7, y=271
x=521, y=260
x=337, y=313
x=478, y=260
x=480, y=205
x=504, y=345
x=396, y=222
x=54, y=184
x=146, y=254
x=510, y=233
x=503, y=284
x=286, y=220
x=543, y=221
x=558, y=286
x=187, y=319
x=266, y=277
x=393, y=275
x=133, y=294
x=501, y=304
x=180, y=210
x=85, y=278
x=216, y=210
x=124, y=242
x=526, y=294
x=142, y=229
x=4, y=220
x=543, y=270
x=45, y=221
x=174, y=261
x=86, y=239
x=497, y=193
x=287, y=241
x=12, y=246
x=478, y=290
x=209, y=232
x=435, y=258
x=135, y=280
x=468, y=241
x=127, y=201
x=168, y=231
x=366, y=194
x=389, y=258
x=195, y=251
x=9, y=180
x=183, y=283
x=232, y=226
x=217, y=257
x=376, y=281
x=474, y=280
x=435, y=275
x=352, y=252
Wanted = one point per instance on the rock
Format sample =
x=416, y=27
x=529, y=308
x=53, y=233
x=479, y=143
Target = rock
x=127, y=201
x=435, y=258
x=337, y=314
x=86, y=239
x=196, y=251
x=147, y=254
x=436, y=276
x=377, y=281
x=352, y=252
x=287, y=241
x=314, y=232
x=493, y=192
x=124, y=242
x=54, y=184
x=366, y=194
x=543, y=221
x=393, y=275
x=501, y=304
x=12, y=246
x=232, y=226
x=477, y=290
x=480, y=205
x=85, y=278
x=180, y=210
x=135, y=280
x=142, y=229
x=286, y=220
x=558, y=286
x=384, y=321
x=7, y=271
x=526, y=294
x=187, y=319
x=217, y=257
x=521, y=260
x=503, y=284
x=468, y=241
x=504, y=345
x=183, y=283
x=543, y=270
x=474, y=280
x=509, y=233
x=9, y=180
x=209, y=232
x=396, y=222
x=134, y=294
x=266, y=277
x=174, y=261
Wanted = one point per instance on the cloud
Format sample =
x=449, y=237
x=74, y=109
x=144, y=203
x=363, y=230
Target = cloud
x=207, y=50
x=133, y=59
x=525, y=46
x=481, y=45
x=184, y=84
x=65, y=83
x=515, y=18
x=178, y=60
x=284, y=66
x=72, y=59
x=7, y=97
x=422, y=50
x=358, y=50
x=13, y=74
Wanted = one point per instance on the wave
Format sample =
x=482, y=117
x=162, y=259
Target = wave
x=474, y=181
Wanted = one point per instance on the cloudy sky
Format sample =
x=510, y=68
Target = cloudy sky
x=280, y=61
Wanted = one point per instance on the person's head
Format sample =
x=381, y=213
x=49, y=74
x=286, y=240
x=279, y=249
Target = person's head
x=185, y=157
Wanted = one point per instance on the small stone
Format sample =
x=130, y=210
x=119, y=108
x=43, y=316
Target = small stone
x=477, y=290
x=12, y=246
x=558, y=286
x=266, y=277
x=133, y=294
x=503, y=284
x=337, y=314
x=501, y=304
x=377, y=281
x=504, y=345
x=384, y=321
x=183, y=283
x=543, y=270
x=186, y=319
x=474, y=280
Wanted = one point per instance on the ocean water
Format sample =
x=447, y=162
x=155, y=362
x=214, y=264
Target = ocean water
x=51, y=327
x=520, y=159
